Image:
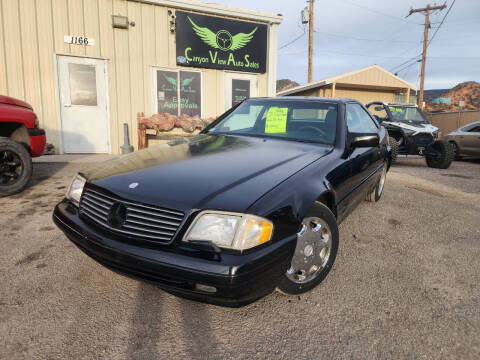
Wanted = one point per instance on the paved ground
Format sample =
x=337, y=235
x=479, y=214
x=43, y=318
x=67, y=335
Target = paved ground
x=405, y=285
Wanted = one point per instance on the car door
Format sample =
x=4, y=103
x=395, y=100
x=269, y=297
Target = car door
x=365, y=162
x=471, y=141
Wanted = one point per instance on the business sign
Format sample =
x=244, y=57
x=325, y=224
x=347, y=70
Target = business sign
x=219, y=43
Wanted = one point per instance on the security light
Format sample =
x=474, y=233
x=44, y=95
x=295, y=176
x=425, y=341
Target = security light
x=120, y=22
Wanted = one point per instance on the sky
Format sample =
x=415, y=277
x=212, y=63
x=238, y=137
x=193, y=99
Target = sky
x=351, y=34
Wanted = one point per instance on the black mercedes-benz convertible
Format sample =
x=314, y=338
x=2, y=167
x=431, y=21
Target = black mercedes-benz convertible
x=251, y=204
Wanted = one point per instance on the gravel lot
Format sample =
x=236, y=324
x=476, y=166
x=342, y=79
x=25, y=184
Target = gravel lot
x=404, y=285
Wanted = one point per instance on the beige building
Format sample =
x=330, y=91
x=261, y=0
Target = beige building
x=88, y=66
x=367, y=84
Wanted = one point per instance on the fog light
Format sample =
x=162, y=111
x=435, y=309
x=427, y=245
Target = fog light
x=205, y=288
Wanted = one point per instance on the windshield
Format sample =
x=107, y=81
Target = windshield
x=311, y=121
x=407, y=113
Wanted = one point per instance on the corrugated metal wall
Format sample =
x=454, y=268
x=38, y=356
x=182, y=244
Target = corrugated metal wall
x=32, y=31
x=364, y=95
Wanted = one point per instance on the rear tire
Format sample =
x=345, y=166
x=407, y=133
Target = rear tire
x=394, y=152
x=376, y=194
x=317, y=246
x=456, y=151
x=15, y=167
x=444, y=156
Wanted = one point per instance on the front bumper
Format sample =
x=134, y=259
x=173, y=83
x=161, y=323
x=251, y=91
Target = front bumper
x=238, y=279
x=416, y=144
x=37, y=141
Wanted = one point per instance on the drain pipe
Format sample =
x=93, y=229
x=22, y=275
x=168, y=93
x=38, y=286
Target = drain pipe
x=126, y=147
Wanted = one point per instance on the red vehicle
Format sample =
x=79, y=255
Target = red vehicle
x=20, y=140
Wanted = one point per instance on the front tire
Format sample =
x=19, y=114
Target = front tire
x=15, y=167
x=315, y=253
x=443, y=157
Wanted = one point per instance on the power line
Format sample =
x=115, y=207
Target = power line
x=291, y=42
x=365, y=39
x=441, y=23
x=428, y=43
x=379, y=12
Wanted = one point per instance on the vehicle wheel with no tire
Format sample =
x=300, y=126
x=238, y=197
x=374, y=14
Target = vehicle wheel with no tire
x=15, y=167
x=376, y=194
x=317, y=245
x=394, y=152
x=443, y=157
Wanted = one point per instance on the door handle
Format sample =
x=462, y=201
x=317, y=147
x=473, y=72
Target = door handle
x=67, y=105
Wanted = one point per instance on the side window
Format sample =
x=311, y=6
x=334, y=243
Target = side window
x=358, y=121
x=475, y=129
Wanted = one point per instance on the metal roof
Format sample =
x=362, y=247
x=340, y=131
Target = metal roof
x=338, y=79
x=218, y=9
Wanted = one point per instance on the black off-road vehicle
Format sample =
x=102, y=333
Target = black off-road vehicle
x=411, y=134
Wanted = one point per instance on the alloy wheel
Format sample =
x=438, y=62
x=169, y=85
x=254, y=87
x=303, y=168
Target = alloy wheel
x=11, y=167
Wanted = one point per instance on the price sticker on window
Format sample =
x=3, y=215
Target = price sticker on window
x=276, y=121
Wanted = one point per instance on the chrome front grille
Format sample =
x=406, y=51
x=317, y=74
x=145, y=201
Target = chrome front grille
x=139, y=221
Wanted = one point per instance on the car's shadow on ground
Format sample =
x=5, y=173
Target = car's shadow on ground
x=149, y=324
x=43, y=171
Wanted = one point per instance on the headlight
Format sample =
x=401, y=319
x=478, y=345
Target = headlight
x=75, y=189
x=230, y=230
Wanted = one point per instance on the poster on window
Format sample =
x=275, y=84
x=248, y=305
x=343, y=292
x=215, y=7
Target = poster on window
x=167, y=97
x=240, y=91
x=190, y=93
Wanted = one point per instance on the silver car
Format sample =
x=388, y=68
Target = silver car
x=465, y=140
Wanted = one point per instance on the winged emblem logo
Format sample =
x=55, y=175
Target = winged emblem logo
x=222, y=39
x=173, y=81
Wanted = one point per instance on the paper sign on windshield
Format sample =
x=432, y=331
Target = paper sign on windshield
x=276, y=121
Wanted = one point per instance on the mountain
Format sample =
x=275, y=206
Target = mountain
x=468, y=91
x=434, y=93
x=285, y=84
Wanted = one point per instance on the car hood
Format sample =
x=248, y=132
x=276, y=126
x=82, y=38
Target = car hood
x=419, y=128
x=12, y=101
x=205, y=172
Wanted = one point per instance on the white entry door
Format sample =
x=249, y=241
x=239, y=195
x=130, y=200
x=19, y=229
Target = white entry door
x=239, y=87
x=83, y=105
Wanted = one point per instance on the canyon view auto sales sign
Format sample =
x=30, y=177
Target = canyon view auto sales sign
x=219, y=43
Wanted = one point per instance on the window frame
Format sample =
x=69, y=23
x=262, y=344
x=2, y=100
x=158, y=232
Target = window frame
x=153, y=90
x=374, y=121
x=475, y=127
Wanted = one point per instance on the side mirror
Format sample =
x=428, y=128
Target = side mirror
x=378, y=108
x=365, y=141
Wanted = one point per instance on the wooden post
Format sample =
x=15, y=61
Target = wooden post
x=333, y=90
x=142, y=132
x=310, y=42
x=426, y=10
x=142, y=137
x=407, y=96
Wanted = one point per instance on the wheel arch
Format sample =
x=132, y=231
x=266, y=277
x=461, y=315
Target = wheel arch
x=15, y=131
x=327, y=198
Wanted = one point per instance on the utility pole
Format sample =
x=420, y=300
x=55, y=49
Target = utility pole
x=426, y=10
x=310, y=42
